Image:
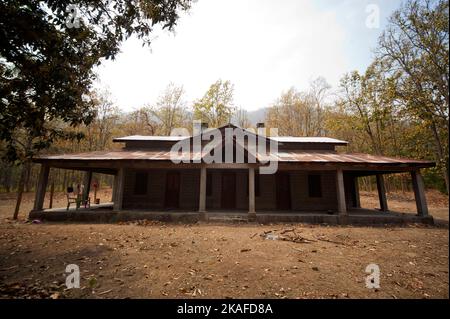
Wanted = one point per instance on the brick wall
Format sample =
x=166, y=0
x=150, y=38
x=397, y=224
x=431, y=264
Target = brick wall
x=190, y=185
x=156, y=188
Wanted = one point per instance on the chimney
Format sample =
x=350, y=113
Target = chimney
x=260, y=129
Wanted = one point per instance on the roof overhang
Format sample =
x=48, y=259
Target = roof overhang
x=137, y=138
x=293, y=159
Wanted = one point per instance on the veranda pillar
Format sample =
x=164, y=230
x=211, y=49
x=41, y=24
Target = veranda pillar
x=87, y=184
x=41, y=187
x=419, y=193
x=119, y=185
x=357, y=202
x=342, y=206
x=382, y=193
x=202, y=195
x=251, y=193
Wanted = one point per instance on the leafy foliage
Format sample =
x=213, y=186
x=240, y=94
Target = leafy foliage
x=46, y=66
x=169, y=112
x=400, y=105
x=415, y=47
x=216, y=106
x=301, y=113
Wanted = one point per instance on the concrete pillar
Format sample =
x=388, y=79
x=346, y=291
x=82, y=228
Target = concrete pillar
x=419, y=193
x=251, y=193
x=202, y=195
x=114, y=188
x=41, y=187
x=342, y=207
x=119, y=184
x=87, y=184
x=382, y=193
x=357, y=202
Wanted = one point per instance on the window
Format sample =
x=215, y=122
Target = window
x=140, y=183
x=314, y=186
x=208, y=184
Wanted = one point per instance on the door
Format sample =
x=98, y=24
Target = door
x=283, y=191
x=228, y=191
x=172, y=199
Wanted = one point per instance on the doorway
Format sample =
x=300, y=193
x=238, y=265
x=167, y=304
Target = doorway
x=172, y=199
x=228, y=190
x=283, y=191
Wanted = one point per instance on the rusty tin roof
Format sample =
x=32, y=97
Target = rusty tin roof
x=293, y=156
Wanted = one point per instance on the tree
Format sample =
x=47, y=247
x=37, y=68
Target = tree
x=100, y=130
x=48, y=50
x=415, y=45
x=300, y=113
x=318, y=94
x=216, y=106
x=170, y=111
x=399, y=105
x=241, y=118
x=364, y=97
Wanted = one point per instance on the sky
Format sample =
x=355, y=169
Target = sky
x=263, y=47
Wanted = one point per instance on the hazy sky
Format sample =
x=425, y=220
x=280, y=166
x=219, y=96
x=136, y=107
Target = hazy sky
x=262, y=46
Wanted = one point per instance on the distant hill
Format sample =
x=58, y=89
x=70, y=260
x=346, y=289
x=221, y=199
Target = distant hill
x=254, y=117
x=258, y=115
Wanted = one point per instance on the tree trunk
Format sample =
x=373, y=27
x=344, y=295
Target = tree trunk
x=440, y=154
x=7, y=179
x=402, y=183
x=20, y=188
x=64, y=183
x=27, y=180
x=52, y=191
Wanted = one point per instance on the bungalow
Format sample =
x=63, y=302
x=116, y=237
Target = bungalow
x=169, y=175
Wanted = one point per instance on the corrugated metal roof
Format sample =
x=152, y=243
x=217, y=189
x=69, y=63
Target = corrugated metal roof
x=282, y=139
x=150, y=155
x=348, y=158
x=149, y=138
x=284, y=156
x=305, y=139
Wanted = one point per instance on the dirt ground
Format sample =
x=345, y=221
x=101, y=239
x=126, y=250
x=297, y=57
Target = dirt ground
x=405, y=203
x=155, y=260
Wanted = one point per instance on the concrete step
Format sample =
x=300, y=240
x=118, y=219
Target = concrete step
x=228, y=218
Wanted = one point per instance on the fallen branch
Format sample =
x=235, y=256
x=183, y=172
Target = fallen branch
x=332, y=241
x=104, y=292
x=9, y=268
x=287, y=230
x=298, y=239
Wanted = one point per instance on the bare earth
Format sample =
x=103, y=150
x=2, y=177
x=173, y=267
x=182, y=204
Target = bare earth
x=154, y=260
